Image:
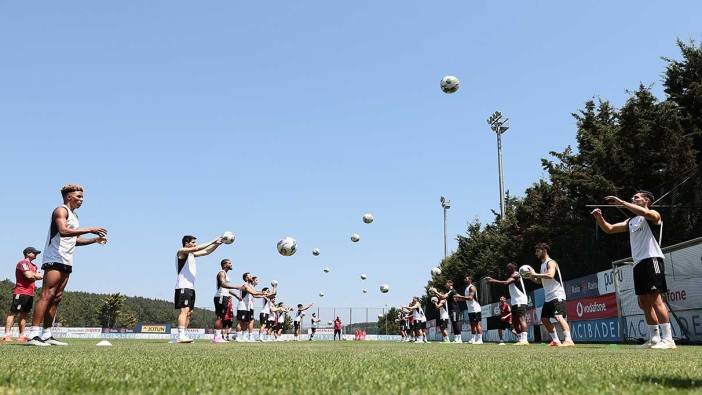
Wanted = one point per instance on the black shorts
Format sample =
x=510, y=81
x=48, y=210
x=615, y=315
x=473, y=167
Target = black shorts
x=649, y=277
x=443, y=324
x=226, y=324
x=518, y=311
x=278, y=326
x=262, y=318
x=404, y=325
x=221, y=303
x=243, y=315
x=475, y=318
x=454, y=316
x=21, y=303
x=419, y=325
x=57, y=266
x=554, y=308
x=296, y=325
x=184, y=297
x=314, y=329
x=504, y=325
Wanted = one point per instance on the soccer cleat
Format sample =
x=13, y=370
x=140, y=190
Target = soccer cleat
x=184, y=340
x=53, y=342
x=36, y=341
x=22, y=339
x=521, y=343
x=479, y=341
x=7, y=338
x=555, y=344
x=665, y=344
x=650, y=343
x=501, y=344
x=218, y=340
x=567, y=344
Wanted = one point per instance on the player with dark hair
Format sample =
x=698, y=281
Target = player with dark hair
x=645, y=231
x=453, y=309
x=474, y=311
x=519, y=301
x=314, y=321
x=26, y=275
x=63, y=238
x=297, y=322
x=222, y=299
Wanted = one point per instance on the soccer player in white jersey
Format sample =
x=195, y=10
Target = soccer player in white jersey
x=554, y=295
x=649, y=268
x=518, y=300
x=299, y=316
x=474, y=311
x=244, y=309
x=265, y=314
x=222, y=298
x=443, y=317
x=314, y=321
x=184, y=298
x=64, y=235
x=419, y=319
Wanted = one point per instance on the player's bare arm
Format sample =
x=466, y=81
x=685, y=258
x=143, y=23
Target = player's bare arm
x=606, y=227
x=651, y=215
x=550, y=272
x=60, y=218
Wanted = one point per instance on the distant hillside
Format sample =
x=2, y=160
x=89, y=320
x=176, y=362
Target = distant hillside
x=79, y=309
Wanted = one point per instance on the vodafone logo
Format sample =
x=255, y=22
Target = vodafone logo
x=593, y=307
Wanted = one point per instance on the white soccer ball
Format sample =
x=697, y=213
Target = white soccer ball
x=380, y=316
x=435, y=271
x=367, y=218
x=364, y=276
x=274, y=283
x=384, y=288
x=434, y=299
x=355, y=237
x=449, y=84
x=315, y=252
x=228, y=237
x=327, y=270
x=329, y=323
x=526, y=271
x=321, y=294
x=287, y=246
x=365, y=291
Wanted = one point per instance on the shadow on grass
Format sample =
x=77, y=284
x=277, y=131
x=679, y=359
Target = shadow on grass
x=673, y=382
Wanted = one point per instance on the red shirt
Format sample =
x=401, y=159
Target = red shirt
x=24, y=285
x=504, y=310
x=337, y=324
x=229, y=314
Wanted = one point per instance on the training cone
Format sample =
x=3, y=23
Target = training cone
x=104, y=343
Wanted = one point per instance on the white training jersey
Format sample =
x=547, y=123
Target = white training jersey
x=418, y=314
x=644, y=242
x=299, y=315
x=60, y=249
x=243, y=304
x=315, y=323
x=186, y=272
x=266, y=307
x=281, y=317
x=250, y=302
x=443, y=312
x=517, y=291
x=552, y=289
x=473, y=305
x=222, y=291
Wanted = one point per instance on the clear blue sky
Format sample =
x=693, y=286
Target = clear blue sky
x=294, y=119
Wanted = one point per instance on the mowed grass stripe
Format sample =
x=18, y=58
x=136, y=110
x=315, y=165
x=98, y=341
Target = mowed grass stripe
x=133, y=366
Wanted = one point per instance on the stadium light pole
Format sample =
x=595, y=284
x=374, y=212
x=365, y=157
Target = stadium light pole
x=499, y=126
x=445, y=204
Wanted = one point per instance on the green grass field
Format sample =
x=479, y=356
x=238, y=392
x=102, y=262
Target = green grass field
x=133, y=366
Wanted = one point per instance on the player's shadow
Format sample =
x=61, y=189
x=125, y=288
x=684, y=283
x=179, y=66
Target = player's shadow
x=673, y=382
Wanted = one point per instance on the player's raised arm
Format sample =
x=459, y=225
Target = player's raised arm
x=606, y=227
x=550, y=272
x=60, y=219
x=185, y=250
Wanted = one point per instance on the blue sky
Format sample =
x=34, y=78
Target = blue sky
x=295, y=119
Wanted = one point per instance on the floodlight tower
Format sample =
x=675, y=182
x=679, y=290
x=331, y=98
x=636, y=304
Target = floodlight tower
x=445, y=204
x=499, y=126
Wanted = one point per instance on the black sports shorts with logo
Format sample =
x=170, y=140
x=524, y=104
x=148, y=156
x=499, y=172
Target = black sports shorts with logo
x=649, y=277
x=57, y=266
x=262, y=318
x=553, y=308
x=475, y=318
x=21, y=303
x=296, y=325
x=221, y=303
x=518, y=311
x=184, y=297
x=243, y=315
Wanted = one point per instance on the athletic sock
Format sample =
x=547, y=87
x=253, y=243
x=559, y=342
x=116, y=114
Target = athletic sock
x=567, y=338
x=46, y=334
x=554, y=337
x=239, y=336
x=666, y=331
x=525, y=336
x=34, y=331
x=654, y=333
x=218, y=333
x=181, y=331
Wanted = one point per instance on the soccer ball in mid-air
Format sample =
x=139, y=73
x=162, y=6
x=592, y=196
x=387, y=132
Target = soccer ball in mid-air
x=274, y=283
x=365, y=291
x=449, y=84
x=315, y=252
x=526, y=271
x=364, y=276
x=367, y=218
x=384, y=288
x=287, y=246
x=380, y=316
x=435, y=271
x=355, y=237
x=434, y=299
x=327, y=270
x=228, y=237
x=329, y=323
x=321, y=294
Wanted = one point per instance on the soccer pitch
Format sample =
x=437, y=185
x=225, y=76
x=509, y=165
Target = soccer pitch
x=133, y=366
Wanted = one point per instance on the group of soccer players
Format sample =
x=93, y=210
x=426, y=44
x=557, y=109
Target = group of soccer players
x=65, y=234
